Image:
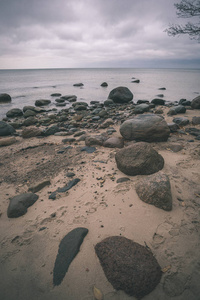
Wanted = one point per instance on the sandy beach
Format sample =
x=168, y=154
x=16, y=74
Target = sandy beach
x=29, y=244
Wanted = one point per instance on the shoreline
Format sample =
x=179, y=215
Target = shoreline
x=29, y=244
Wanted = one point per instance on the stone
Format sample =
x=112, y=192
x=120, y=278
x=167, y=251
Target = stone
x=181, y=121
x=193, y=131
x=31, y=132
x=196, y=120
x=139, y=159
x=172, y=112
x=5, y=98
x=30, y=121
x=68, y=97
x=107, y=123
x=6, y=129
x=33, y=108
x=108, y=102
x=158, y=101
x=29, y=113
x=147, y=127
x=88, y=149
x=7, y=141
x=128, y=266
x=19, y=204
x=67, y=251
x=94, y=140
x=136, y=81
x=114, y=142
x=64, y=189
x=141, y=108
x=155, y=189
x=60, y=100
x=104, y=84
x=162, y=89
x=51, y=130
x=173, y=127
x=121, y=95
x=14, y=112
x=42, y=102
x=123, y=179
x=184, y=102
x=142, y=101
x=78, y=84
x=39, y=186
x=195, y=104
x=56, y=95
x=180, y=109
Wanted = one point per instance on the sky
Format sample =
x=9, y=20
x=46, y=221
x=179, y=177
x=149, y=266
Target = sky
x=92, y=33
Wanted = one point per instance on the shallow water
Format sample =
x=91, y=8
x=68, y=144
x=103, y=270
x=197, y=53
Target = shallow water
x=26, y=86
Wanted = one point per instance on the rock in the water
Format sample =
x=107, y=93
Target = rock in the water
x=29, y=113
x=121, y=95
x=68, y=249
x=14, y=112
x=42, y=102
x=31, y=132
x=196, y=103
x=78, y=84
x=136, y=81
x=156, y=190
x=158, y=101
x=128, y=266
x=6, y=129
x=104, y=84
x=19, y=204
x=148, y=128
x=55, y=95
x=7, y=141
x=5, y=98
x=139, y=159
x=114, y=142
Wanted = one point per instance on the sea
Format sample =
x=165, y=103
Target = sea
x=27, y=86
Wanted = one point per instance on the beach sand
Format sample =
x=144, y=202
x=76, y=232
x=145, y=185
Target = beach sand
x=29, y=244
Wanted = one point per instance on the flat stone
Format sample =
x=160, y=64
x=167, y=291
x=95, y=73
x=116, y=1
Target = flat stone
x=68, y=249
x=64, y=189
x=155, y=189
x=39, y=186
x=31, y=132
x=19, y=204
x=7, y=141
x=128, y=266
x=139, y=159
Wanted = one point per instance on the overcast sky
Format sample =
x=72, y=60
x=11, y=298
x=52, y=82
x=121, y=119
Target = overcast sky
x=92, y=33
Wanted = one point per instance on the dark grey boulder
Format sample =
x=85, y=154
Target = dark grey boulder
x=68, y=249
x=158, y=101
x=139, y=159
x=121, y=94
x=141, y=108
x=184, y=102
x=51, y=130
x=29, y=113
x=114, y=142
x=181, y=121
x=148, y=128
x=136, y=81
x=60, y=100
x=19, y=204
x=67, y=97
x=104, y=84
x=30, y=121
x=78, y=84
x=173, y=127
x=196, y=120
x=155, y=189
x=55, y=95
x=5, y=98
x=42, y=102
x=128, y=266
x=14, y=112
x=172, y=112
x=180, y=109
x=196, y=103
x=6, y=129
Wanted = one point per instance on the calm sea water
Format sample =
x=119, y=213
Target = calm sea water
x=26, y=86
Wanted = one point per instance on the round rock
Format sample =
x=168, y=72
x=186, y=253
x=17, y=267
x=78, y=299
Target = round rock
x=148, y=128
x=5, y=98
x=196, y=103
x=6, y=129
x=139, y=159
x=121, y=94
x=128, y=266
x=14, y=112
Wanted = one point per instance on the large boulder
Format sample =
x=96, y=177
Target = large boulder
x=14, y=112
x=5, y=98
x=128, y=266
x=6, y=129
x=121, y=94
x=196, y=103
x=155, y=189
x=148, y=128
x=139, y=159
x=42, y=102
x=19, y=204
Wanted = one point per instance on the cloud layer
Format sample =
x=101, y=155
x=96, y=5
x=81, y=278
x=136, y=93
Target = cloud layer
x=91, y=33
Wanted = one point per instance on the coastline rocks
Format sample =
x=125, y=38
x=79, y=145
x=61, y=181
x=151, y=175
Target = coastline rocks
x=158, y=101
x=108, y=102
x=181, y=121
x=19, y=204
x=5, y=98
x=180, y=109
x=196, y=103
x=155, y=190
x=196, y=120
x=78, y=84
x=104, y=84
x=107, y=123
x=148, y=128
x=139, y=159
x=93, y=140
x=6, y=129
x=14, y=112
x=70, y=98
x=7, y=141
x=42, y=102
x=51, y=130
x=29, y=113
x=128, y=266
x=121, y=95
x=114, y=142
x=30, y=121
x=34, y=109
x=39, y=186
x=31, y=132
x=67, y=251
x=141, y=108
